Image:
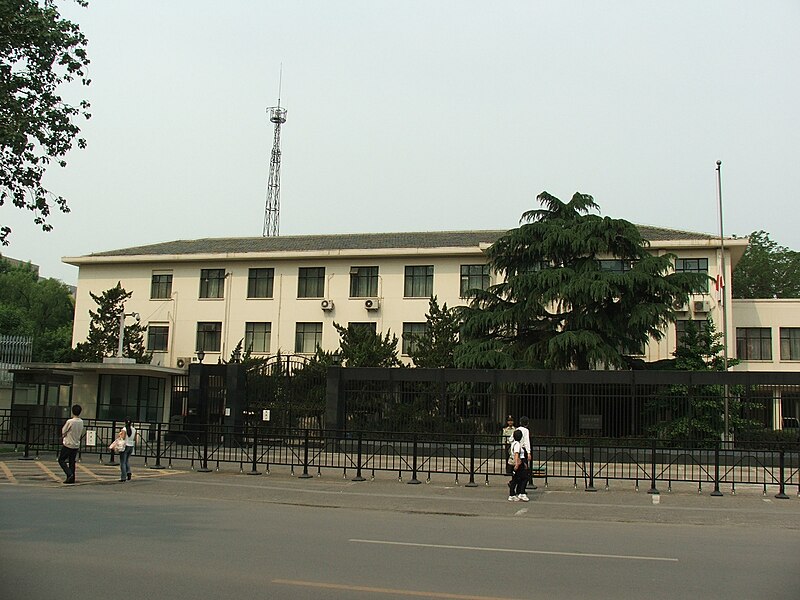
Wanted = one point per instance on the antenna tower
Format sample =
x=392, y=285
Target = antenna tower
x=277, y=115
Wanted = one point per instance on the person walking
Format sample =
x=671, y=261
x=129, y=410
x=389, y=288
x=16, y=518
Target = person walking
x=71, y=434
x=519, y=479
x=508, y=432
x=128, y=433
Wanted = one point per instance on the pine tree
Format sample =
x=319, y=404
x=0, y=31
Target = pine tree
x=435, y=347
x=362, y=347
x=558, y=306
x=103, y=338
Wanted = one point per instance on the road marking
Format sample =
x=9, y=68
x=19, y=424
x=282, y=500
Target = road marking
x=388, y=591
x=88, y=472
x=47, y=470
x=517, y=551
x=7, y=472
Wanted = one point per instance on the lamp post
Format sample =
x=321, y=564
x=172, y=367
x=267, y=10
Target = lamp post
x=723, y=302
x=200, y=356
x=122, y=317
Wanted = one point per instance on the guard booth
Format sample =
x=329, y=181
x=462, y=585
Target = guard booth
x=215, y=397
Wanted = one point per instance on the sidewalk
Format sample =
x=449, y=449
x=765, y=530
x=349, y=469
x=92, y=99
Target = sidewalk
x=748, y=507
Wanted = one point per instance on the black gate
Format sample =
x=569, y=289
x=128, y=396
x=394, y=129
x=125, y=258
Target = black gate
x=286, y=391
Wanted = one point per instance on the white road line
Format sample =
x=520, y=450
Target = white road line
x=516, y=551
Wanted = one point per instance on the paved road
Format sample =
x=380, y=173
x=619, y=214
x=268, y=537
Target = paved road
x=222, y=535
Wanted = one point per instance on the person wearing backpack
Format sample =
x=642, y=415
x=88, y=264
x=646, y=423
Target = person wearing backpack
x=519, y=480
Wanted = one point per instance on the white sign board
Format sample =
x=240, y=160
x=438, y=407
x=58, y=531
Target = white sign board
x=91, y=437
x=265, y=414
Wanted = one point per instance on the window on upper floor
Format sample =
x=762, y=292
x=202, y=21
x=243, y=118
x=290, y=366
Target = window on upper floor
x=209, y=336
x=311, y=282
x=410, y=332
x=754, y=343
x=212, y=283
x=307, y=338
x=474, y=277
x=418, y=281
x=615, y=265
x=694, y=265
x=257, y=337
x=363, y=282
x=161, y=286
x=790, y=343
x=157, y=338
x=680, y=328
x=260, y=283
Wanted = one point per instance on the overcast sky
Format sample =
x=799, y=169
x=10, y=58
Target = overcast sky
x=425, y=115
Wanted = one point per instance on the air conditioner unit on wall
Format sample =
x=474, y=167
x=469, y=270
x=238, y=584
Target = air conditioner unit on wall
x=183, y=362
x=326, y=304
x=701, y=306
x=372, y=304
x=681, y=307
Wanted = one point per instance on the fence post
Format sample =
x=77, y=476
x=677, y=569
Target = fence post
x=716, y=491
x=414, y=479
x=158, y=464
x=781, y=495
x=653, y=489
x=471, y=482
x=358, y=476
x=305, y=474
x=113, y=437
x=26, y=455
x=591, y=487
x=204, y=462
x=254, y=470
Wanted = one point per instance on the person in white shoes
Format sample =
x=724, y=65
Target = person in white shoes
x=519, y=480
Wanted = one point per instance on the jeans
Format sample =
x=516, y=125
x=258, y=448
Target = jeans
x=124, y=464
x=66, y=460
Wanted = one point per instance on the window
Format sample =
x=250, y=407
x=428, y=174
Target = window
x=363, y=282
x=135, y=396
x=311, y=282
x=259, y=283
x=308, y=337
x=753, y=343
x=158, y=338
x=212, y=283
x=161, y=286
x=372, y=327
x=410, y=332
x=257, y=337
x=615, y=265
x=419, y=282
x=680, y=328
x=790, y=343
x=694, y=265
x=474, y=277
x=209, y=336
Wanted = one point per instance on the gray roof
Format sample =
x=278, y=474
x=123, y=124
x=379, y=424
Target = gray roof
x=353, y=241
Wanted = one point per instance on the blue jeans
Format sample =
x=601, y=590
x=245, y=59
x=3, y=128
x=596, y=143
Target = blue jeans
x=124, y=465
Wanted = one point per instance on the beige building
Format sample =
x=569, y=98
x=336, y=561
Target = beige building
x=284, y=293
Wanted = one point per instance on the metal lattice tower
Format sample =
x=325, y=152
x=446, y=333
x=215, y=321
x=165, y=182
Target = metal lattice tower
x=277, y=115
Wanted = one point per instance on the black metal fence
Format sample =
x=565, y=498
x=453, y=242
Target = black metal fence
x=587, y=461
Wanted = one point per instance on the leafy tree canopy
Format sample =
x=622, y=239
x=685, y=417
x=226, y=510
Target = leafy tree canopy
x=767, y=270
x=39, y=50
x=558, y=306
x=103, y=338
x=360, y=346
x=40, y=308
x=435, y=348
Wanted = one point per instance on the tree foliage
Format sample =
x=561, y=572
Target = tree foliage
x=360, y=346
x=556, y=306
x=39, y=51
x=40, y=308
x=435, y=348
x=103, y=338
x=767, y=270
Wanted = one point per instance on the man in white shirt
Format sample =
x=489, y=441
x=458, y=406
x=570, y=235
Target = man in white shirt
x=72, y=433
x=526, y=444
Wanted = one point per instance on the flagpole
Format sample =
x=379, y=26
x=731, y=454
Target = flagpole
x=721, y=278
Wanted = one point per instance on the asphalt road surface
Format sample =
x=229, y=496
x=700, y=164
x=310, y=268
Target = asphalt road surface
x=231, y=536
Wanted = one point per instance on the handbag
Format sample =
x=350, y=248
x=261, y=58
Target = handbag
x=118, y=446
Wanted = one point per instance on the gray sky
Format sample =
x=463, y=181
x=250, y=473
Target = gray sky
x=422, y=115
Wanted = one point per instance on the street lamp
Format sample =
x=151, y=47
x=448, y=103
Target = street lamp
x=201, y=355
x=721, y=283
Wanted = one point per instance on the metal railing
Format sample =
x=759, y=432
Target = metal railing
x=586, y=461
